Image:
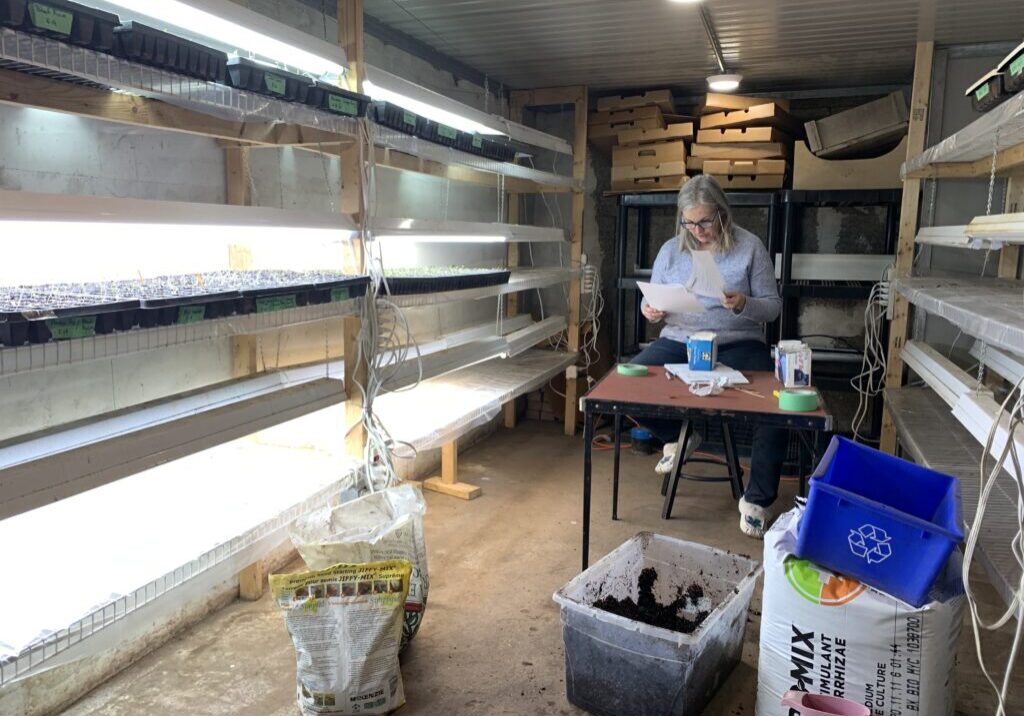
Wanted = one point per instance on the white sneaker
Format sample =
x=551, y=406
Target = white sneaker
x=753, y=519
x=664, y=465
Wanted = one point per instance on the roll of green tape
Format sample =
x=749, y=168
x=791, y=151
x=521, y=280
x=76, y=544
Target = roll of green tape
x=632, y=370
x=797, y=401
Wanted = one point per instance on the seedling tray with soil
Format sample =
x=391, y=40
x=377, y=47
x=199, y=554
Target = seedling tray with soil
x=400, y=282
x=391, y=115
x=149, y=46
x=62, y=20
x=338, y=101
x=437, y=133
x=166, y=300
x=39, y=314
x=266, y=79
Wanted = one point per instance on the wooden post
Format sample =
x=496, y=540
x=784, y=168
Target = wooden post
x=245, y=350
x=908, y=230
x=448, y=481
x=1009, y=255
x=579, y=172
x=509, y=413
x=252, y=582
x=517, y=104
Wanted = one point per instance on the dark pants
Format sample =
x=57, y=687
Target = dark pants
x=769, y=447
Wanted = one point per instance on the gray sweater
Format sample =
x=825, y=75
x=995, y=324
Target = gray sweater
x=747, y=269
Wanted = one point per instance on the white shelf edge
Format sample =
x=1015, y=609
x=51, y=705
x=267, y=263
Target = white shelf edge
x=442, y=230
x=40, y=469
x=56, y=354
x=835, y=267
x=525, y=280
x=943, y=376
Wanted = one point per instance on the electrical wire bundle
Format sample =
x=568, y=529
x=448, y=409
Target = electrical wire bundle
x=988, y=481
x=870, y=381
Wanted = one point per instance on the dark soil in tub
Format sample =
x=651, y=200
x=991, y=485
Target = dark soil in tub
x=647, y=610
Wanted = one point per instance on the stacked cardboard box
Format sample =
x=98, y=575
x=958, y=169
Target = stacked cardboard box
x=744, y=142
x=651, y=159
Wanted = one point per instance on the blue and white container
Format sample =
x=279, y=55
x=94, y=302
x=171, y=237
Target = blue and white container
x=702, y=350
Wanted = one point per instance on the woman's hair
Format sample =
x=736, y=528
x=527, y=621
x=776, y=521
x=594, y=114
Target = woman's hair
x=704, y=190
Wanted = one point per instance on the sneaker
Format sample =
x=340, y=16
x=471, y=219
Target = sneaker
x=664, y=465
x=753, y=519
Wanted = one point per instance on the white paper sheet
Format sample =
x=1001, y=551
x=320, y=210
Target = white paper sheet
x=706, y=279
x=670, y=297
x=731, y=376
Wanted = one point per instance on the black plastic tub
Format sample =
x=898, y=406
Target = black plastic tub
x=60, y=313
x=338, y=101
x=437, y=133
x=62, y=20
x=149, y=46
x=988, y=92
x=391, y=115
x=404, y=285
x=255, y=77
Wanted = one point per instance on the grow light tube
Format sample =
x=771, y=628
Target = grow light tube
x=998, y=228
x=236, y=30
x=943, y=376
x=1003, y=363
x=384, y=86
x=954, y=236
x=435, y=231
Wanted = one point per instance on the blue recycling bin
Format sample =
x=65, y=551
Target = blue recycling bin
x=886, y=521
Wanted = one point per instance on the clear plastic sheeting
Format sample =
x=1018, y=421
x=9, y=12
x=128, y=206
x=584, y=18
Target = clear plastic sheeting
x=54, y=354
x=442, y=409
x=991, y=310
x=997, y=129
x=52, y=58
x=521, y=280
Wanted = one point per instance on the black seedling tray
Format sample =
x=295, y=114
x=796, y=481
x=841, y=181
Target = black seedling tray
x=404, y=285
x=338, y=101
x=329, y=287
x=471, y=143
x=255, y=77
x=498, y=152
x=1013, y=71
x=437, y=133
x=391, y=115
x=988, y=95
x=149, y=46
x=62, y=20
x=47, y=313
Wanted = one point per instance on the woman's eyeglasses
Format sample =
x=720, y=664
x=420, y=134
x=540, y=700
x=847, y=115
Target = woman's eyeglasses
x=704, y=224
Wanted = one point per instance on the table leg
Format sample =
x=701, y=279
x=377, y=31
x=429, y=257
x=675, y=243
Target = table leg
x=677, y=467
x=615, y=466
x=588, y=437
x=733, y=461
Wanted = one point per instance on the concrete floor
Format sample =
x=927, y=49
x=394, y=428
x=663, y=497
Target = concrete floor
x=491, y=640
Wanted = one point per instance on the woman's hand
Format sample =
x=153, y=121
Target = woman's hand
x=734, y=301
x=652, y=314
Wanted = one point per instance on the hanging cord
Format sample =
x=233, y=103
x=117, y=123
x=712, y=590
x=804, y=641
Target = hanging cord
x=870, y=381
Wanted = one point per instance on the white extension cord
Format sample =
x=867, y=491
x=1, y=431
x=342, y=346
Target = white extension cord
x=870, y=381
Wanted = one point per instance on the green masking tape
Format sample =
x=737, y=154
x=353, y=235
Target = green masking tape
x=633, y=371
x=797, y=401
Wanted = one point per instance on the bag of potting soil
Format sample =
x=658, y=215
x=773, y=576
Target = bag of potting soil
x=346, y=625
x=831, y=635
x=380, y=526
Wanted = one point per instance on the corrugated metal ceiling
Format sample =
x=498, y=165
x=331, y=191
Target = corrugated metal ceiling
x=642, y=43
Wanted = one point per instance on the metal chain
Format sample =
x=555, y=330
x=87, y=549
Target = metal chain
x=447, y=195
x=501, y=198
x=992, y=173
x=931, y=203
x=487, y=92
x=981, y=364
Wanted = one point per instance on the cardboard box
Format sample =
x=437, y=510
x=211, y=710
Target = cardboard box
x=744, y=167
x=762, y=115
x=667, y=183
x=647, y=155
x=860, y=129
x=716, y=102
x=647, y=136
x=815, y=173
x=764, y=181
x=793, y=364
x=753, y=150
x=628, y=173
x=745, y=134
x=627, y=115
x=702, y=350
x=661, y=98
x=695, y=165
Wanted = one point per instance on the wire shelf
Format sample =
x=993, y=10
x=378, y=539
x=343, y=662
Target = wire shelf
x=56, y=354
x=51, y=58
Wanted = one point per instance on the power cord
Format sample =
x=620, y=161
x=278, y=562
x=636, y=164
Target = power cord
x=870, y=381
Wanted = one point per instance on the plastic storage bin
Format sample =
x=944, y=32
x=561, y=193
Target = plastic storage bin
x=63, y=20
x=615, y=666
x=391, y=115
x=888, y=522
x=265, y=79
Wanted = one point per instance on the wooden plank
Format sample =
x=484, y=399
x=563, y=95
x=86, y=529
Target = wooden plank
x=509, y=414
x=356, y=374
x=1009, y=255
x=517, y=105
x=350, y=37
x=252, y=582
x=579, y=172
x=908, y=231
x=447, y=483
x=25, y=90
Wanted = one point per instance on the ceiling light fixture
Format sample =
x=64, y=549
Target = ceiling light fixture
x=724, y=83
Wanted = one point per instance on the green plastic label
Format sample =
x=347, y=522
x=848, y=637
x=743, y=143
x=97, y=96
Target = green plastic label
x=275, y=303
x=982, y=92
x=344, y=105
x=447, y=132
x=1017, y=66
x=191, y=314
x=64, y=328
x=409, y=118
x=50, y=18
x=478, y=142
x=339, y=294
x=275, y=84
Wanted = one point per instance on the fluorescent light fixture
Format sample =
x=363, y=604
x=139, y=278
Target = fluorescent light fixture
x=386, y=87
x=236, y=30
x=86, y=238
x=947, y=379
x=998, y=228
x=1005, y=364
x=835, y=267
x=724, y=83
x=954, y=236
x=437, y=231
x=977, y=413
x=685, y=2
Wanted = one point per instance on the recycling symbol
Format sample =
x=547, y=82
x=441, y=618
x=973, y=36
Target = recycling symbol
x=871, y=543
